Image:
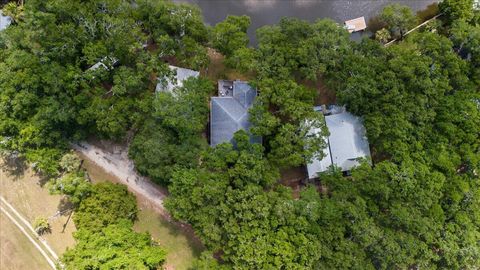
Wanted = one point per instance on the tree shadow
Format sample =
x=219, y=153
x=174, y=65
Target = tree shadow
x=176, y=228
x=44, y=231
x=429, y=12
x=42, y=179
x=65, y=206
x=14, y=165
x=374, y=24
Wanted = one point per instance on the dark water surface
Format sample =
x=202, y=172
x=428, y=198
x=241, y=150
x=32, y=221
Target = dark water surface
x=263, y=12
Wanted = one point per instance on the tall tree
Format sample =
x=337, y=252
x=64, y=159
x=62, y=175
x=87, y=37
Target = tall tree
x=115, y=246
x=230, y=35
x=457, y=9
x=229, y=201
x=398, y=19
x=283, y=115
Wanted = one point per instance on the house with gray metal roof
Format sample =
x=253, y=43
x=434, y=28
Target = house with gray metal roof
x=346, y=144
x=229, y=111
x=181, y=74
x=5, y=21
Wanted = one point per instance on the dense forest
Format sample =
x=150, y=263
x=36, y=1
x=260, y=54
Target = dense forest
x=417, y=207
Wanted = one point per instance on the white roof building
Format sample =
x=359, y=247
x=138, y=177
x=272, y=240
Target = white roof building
x=181, y=74
x=346, y=144
x=356, y=25
x=5, y=21
x=106, y=62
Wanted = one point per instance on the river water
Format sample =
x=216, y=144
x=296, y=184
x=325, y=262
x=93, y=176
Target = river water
x=263, y=12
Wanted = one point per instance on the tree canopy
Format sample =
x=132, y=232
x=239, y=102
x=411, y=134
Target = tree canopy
x=115, y=246
x=71, y=69
x=92, y=213
x=398, y=19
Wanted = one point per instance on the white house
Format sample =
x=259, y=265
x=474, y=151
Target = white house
x=346, y=144
x=5, y=21
x=181, y=74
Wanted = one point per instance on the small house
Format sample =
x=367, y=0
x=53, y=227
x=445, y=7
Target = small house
x=181, y=74
x=5, y=21
x=229, y=111
x=346, y=144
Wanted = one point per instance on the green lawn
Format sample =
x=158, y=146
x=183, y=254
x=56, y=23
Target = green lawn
x=181, y=248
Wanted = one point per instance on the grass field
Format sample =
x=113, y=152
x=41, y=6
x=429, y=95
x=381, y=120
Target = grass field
x=16, y=252
x=22, y=189
x=181, y=246
x=32, y=200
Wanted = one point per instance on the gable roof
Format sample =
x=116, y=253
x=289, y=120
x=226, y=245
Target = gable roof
x=181, y=74
x=346, y=144
x=228, y=114
x=5, y=21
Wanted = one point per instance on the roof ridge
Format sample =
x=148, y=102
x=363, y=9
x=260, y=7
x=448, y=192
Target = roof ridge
x=225, y=110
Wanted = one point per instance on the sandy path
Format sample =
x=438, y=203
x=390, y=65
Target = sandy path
x=119, y=165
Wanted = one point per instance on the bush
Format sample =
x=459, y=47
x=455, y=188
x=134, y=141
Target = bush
x=70, y=162
x=41, y=225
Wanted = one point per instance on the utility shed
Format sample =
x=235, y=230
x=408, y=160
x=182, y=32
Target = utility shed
x=356, y=25
x=347, y=143
x=181, y=74
x=5, y=21
x=229, y=111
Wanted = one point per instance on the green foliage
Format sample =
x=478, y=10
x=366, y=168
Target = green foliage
x=105, y=238
x=115, y=246
x=398, y=19
x=157, y=151
x=226, y=201
x=207, y=262
x=466, y=40
x=13, y=10
x=73, y=185
x=296, y=47
x=416, y=208
x=242, y=59
x=171, y=137
x=70, y=162
x=186, y=109
x=284, y=116
x=176, y=29
x=41, y=225
x=461, y=10
x=231, y=34
x=420, y=114
x=383, y=35
x=49, y=96
x=44, y=160
x=107, y=204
